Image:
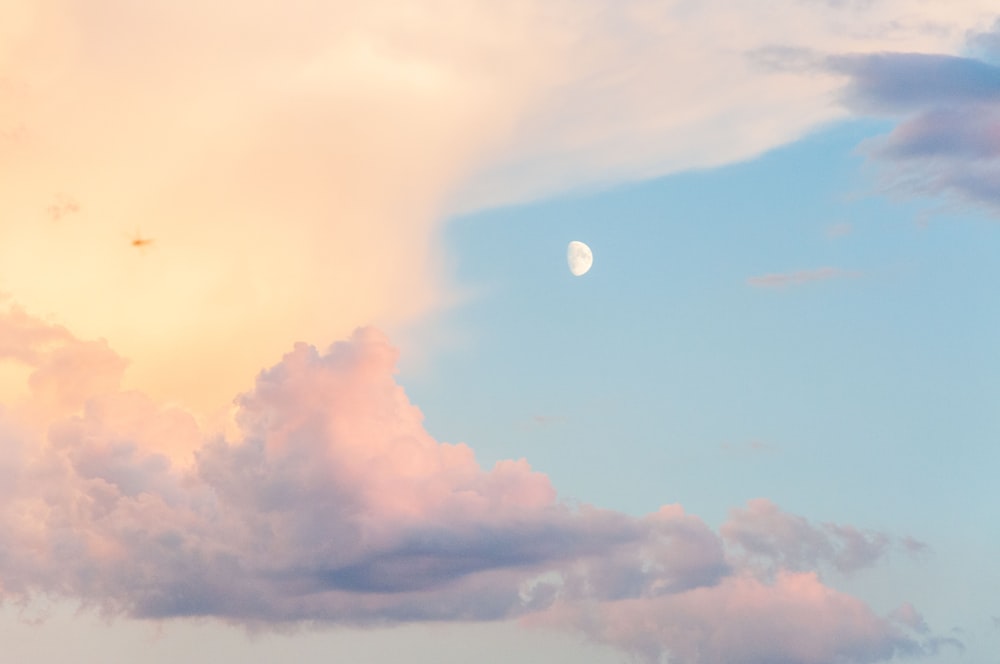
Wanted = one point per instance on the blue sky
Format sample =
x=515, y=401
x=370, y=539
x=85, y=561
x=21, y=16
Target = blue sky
x=666, y=377
x=665, y=350
x=350, y=402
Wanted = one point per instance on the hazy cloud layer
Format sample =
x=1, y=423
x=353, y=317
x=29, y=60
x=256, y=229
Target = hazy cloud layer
x=948, y=139
x=276, y=145
x=330, y=503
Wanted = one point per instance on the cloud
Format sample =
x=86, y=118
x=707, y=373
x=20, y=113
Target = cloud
x=985, y=44
x=331, y=504
x=840, y=229
x=762, y=533
x=291, y=171
x=294, y=160
x=910, y=617
x=782, y=279
x=946, y=142
x=794, y=620
x=62, y=206
x=910, y=81
x=753, y=447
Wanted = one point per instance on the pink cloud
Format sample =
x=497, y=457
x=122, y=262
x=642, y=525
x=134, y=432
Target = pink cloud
x=763, y=533
x=794, y=619
x=26, y=339
x=782, y=279
x=330, y=503
x=62, y=206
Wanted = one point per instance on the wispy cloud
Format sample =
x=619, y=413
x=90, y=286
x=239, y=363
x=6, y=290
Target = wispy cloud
x=840, y=229
x=332, y=504
x=754, y=447
x=948, y=139
x=914, y=81
x=783, y=279
x=761, y=531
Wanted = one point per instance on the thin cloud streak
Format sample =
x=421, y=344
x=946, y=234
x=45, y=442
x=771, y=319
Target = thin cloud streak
x=783, y=279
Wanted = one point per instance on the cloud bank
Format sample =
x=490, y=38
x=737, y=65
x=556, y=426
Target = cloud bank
x=332, y=505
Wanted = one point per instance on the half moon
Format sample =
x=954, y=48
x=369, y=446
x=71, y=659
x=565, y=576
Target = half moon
x=580, y=258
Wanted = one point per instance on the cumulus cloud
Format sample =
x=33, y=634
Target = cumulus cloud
x=909, y=81
x=782, y=279
x=946, y=142
x=330, y=504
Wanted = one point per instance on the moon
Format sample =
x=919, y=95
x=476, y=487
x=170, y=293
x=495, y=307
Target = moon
x=580, y=258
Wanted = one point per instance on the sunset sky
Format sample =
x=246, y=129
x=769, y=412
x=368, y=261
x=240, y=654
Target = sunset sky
x=292, y=366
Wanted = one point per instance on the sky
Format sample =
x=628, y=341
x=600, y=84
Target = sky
x=292, y=365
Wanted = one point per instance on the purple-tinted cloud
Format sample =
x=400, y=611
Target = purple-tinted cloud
x=793, y=620
x=968, y=133
x=762, y=533
x=948, y=139
x=332, y=504
x=903, y=82
x=910, y=617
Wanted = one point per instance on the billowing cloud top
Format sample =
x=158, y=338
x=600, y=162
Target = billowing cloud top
x=332, y=504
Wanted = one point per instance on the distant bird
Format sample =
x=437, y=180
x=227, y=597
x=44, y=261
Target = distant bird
x=140, y=242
